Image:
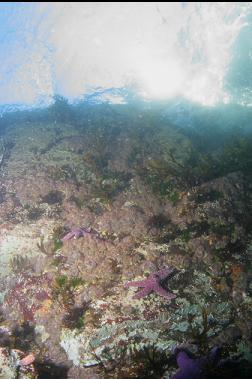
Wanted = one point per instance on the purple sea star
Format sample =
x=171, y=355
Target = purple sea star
x=77, y=233
x=153, y=284
x=193, y=368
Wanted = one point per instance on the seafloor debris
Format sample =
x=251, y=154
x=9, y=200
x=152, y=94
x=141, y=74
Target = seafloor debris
x=15, y=364
x=27, y=360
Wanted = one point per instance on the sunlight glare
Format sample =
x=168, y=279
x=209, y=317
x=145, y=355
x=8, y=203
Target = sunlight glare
x=161, y=80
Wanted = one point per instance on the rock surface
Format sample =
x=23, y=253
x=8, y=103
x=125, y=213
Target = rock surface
x=135, y=194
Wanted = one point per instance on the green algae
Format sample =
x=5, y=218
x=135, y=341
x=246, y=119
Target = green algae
x=57, y=245
x=20, y=264
x=174, y=197
x=64, y=289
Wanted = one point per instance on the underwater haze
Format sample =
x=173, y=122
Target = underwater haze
x=126, y=190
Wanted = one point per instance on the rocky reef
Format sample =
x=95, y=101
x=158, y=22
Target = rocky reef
x=92, y=205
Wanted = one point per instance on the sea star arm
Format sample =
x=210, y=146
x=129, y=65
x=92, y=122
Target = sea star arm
x=152, y=283
x=68, y=236
x=78, y=233
x=162, y=292
x=192, y=368
x=164, y=273
x=138, y=283
x=183, y=360
x=189, y=368
x=144, y=292
x=214, y=355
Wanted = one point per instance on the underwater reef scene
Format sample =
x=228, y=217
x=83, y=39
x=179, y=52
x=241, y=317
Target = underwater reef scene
x=125, y=243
